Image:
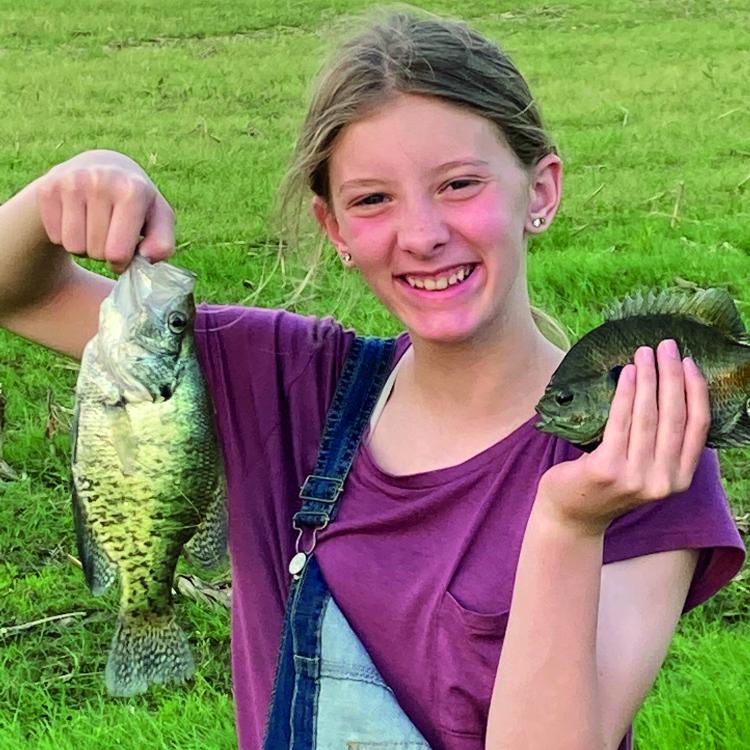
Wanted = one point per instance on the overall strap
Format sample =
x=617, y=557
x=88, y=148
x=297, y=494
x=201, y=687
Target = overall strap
x=365, y=372
x=291, y=716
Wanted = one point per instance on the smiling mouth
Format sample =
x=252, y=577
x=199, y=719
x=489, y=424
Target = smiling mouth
x=440, y=281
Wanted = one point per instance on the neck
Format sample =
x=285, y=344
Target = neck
x=499, y=376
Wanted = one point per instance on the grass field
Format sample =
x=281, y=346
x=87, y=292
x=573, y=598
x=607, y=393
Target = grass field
x=649, y=104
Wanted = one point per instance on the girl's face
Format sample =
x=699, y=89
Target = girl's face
x=433, y=208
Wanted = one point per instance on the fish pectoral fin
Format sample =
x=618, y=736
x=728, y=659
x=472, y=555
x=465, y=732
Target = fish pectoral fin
x=208, y=545
x=735, y=433
x=123, y=439
x=98, y=570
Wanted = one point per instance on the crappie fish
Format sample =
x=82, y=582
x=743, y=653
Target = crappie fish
x=147, y=471
x=706, y=326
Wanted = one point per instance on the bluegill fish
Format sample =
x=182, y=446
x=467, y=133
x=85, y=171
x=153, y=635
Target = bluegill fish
x=147, y=470
x=706, y=326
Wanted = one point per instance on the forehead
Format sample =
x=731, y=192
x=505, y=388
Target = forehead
x=416, y=132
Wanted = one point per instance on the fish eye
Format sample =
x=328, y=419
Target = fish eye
x=564, y=397
x=177, y=322
x=614, y=373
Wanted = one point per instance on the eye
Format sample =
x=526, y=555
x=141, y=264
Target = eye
x=614, y=373
x=459, y=184
x=371, y=200
x=462, y=188
x=564, y=397
x=177, y=322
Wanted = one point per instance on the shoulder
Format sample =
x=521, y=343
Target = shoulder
x=257, y=339
x=277, y=331
x=698, y=519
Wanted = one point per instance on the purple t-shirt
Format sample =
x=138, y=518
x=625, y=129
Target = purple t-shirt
x=421, y=565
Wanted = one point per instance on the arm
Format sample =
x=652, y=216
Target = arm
x=95, y=204
x=640, y=604
x=562, y=680
x=587, y=641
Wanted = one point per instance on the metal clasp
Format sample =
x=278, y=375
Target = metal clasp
x=298, y=562
x=314, y=531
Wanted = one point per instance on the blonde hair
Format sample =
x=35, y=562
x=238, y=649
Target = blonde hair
x=421, y=54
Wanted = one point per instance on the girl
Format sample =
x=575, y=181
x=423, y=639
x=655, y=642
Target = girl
x=511, y=592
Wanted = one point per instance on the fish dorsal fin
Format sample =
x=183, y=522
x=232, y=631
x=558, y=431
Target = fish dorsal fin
x=713, y=307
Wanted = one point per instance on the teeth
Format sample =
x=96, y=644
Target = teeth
x=443, y=282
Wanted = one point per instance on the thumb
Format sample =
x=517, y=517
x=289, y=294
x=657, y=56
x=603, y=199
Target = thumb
x=158, y=231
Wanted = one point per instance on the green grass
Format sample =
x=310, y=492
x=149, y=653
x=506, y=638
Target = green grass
x=649, y=104
x=701, y=699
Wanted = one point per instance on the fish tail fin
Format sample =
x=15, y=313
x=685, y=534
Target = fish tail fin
x=147, y=650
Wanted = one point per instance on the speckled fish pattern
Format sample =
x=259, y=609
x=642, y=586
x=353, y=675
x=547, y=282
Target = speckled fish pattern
x=147, y=479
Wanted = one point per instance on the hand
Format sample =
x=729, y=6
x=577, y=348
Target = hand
x=651, y=445
x=102, y=205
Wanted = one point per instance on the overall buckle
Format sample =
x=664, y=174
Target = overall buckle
x=322, y=489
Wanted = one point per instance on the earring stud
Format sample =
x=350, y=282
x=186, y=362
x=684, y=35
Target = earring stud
x=537, y=221
x=346, y=256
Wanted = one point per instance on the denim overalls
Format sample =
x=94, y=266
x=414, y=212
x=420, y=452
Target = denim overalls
x=327, y=694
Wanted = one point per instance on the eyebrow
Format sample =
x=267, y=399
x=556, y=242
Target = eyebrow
x=462, y=163
x=440, y=168
x=358, y=183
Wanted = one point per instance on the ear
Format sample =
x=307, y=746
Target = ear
x=328, y=222
x=545, y=191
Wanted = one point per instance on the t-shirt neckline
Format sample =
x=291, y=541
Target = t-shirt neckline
x=445, y=474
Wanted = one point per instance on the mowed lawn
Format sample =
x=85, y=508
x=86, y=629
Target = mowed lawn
x=649, y=104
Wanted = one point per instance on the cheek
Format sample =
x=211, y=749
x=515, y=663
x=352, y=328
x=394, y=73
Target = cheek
x=489, y=220
x=367, y=238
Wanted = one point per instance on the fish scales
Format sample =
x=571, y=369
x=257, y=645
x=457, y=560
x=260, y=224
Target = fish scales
x=615, y=342
x=126, y=530
x=146, y=469
x=706, y=327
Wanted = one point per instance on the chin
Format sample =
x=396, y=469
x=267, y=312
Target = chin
x=443, y=329
x=438, y=334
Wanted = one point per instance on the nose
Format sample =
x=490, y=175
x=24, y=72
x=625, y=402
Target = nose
x=422, y=230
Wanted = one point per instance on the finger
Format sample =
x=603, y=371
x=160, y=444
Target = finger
x=98, y=216
x=698, y=420
x=616, y=435
x=73, y=224
x=672, y=408
x=128, y=217
x=645, y=415
x=158, y=240
x=50, y=211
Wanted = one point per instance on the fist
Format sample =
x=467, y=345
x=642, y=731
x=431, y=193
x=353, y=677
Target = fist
x=102, y=205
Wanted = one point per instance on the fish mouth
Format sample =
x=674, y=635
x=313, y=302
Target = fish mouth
x=155, y=284
x=570, y=432
x=545, y=417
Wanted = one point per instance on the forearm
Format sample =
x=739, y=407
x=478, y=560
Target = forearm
x=44, y=295
x=546, y=688
x=31, y=267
